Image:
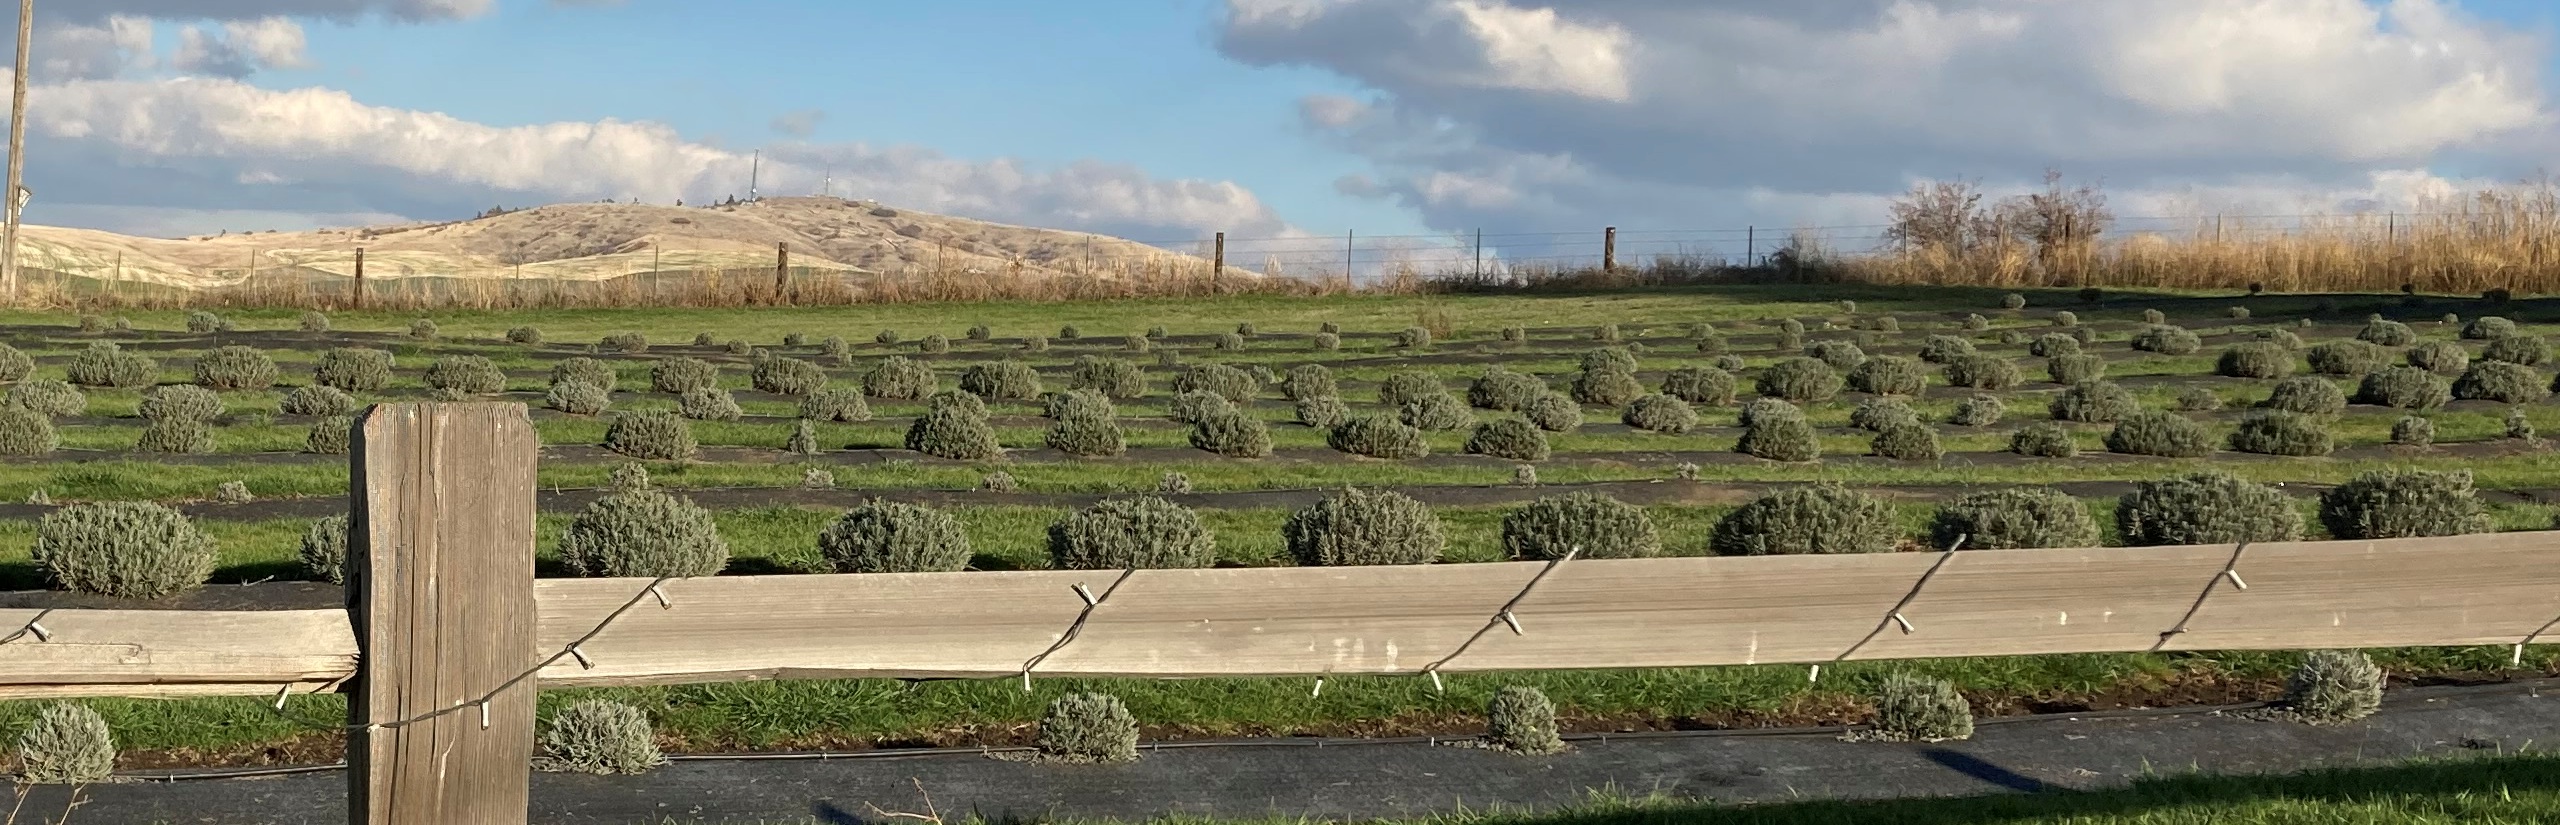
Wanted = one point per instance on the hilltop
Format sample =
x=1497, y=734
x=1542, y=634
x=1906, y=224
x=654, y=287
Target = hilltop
x=598, y=241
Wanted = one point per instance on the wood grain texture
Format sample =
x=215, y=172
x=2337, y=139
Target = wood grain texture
x=2469, y=590
x=439, y=583
x=2489, y=589
x=160, y=652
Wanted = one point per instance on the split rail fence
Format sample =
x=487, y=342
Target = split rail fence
x=447, y=634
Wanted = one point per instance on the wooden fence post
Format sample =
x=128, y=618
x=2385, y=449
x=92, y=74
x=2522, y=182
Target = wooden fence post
x=359, y=277
x=1218, y=264
x=1609, y=249
x=440, y=590
x=781, y=272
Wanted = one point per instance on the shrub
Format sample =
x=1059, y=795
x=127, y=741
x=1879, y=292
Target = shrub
x=1229, y=342
x=708, y=404
x=1190, y=407
x=2068, y=370
x=2411, y=388
x=1322, y=412
x=1876, y=414
x=2237, y=313
x=835, y=405
x=1779, y=438
x=1694, y=384
x=2346, y=358
x=1838, y=355
x=1888, y=375
x=2166, y=340
x=1816, y=518
x=466, y=374
x=1791, y=326
x=1729, y=363
x=2158, y=433
x=1326, y=341
x=422, y=329
x=1088, y=728
x=2413, y=431
x=2067, y=318
x=2153, y=316
x=954, y=427
x=2208, y=507
x=66, y=744
x=2254, y=360
x=180, y=401
x=1378, y=436
x=1788, y=342
x=1506, y=391
x=1112, y=377
x=2044, y=439
x=586, y=371
x=2289, y=341
x=126, y=549
x=792, y=376
x=1661, y=414
x=2517, y=349
x=578, y=398
x=2277, y=432
x=2197, y=399
x=2306, y=395
x=330, y=436
x=2013, y=518
x=45, y=395
x=1308, y=381
x=652, y=435
x=601, y=737
x=1232, y=433
x=1602, y=527
x=2053, y=344
x=323, y=553
x=522, y=335
x=2518, y=426
x=1357, y=527
x=104, y=364
x=643, y=532
x=201, y=322
x=886, y=337
x=2013, y=302
x=2332, y=686
x=1069, y=333
x=1173, y=484
x=186, y=436
x=26, y=432
x=1759, y=409
x=1001, y=380
x=1801, y=380
x=1087, y=429
x=900, y=377
x=804, y=441
x=2487, y=327
x=1509, y=438
x=2500, y=381
x=2093, y=402
x=1908, y=442
x=1610, y=388
x=627, y=343
x=1233, y=384
x=1521, y=720
x=2439, y=356
x=1555, y=413
x=1983, y=371
x=1944, y=349
x=2387, y=333
x=1436, y=413
x=891, y=537
x=223, y=368
x=2396, y=503
x=1125, y=533
x=1912, y=708
x=1413, y=338
x=1977, y=411
x=682, y=374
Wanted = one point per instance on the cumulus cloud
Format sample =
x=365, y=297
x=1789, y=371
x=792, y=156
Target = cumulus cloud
x=241, y=48
x=1524, y=114
x=106, y=48
x=200, y=143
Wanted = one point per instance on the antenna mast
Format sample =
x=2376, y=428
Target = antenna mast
x=755, y=170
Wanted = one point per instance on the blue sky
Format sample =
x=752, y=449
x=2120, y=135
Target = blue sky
x=1167, y=119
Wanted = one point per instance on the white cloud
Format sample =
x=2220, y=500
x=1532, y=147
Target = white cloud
x=800, y=123
x=104, y=49
x=198, y=143
x=243, y=47
x=1566, y=113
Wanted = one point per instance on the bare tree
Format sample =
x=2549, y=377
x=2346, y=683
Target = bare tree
x=2056, y=220
x=1943, y=216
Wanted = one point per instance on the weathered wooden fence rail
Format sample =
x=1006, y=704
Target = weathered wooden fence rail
x=453, y=633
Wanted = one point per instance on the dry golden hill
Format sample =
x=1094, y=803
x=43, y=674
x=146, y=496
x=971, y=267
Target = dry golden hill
x=597, y=241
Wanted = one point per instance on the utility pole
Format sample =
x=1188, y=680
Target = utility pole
x=17, y=195
x=755, y=170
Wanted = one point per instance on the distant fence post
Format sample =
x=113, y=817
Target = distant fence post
x=359, y=302
x=781, y=272
x=1218, y=263
x=440, y=590
x=1609, y=249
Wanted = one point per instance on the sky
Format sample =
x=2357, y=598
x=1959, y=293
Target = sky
x=1681, y=121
